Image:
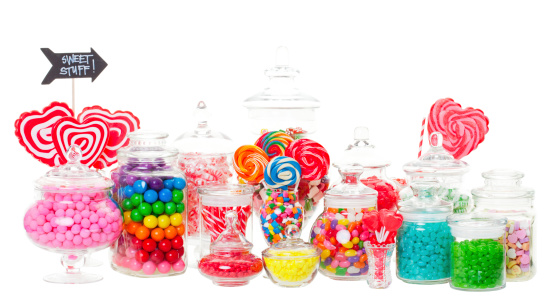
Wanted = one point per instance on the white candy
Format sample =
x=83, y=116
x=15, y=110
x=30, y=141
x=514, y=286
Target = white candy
x=339, y=216
x=343, y=236
x=353, y=270
x=518, y=244
x=511, y=229
x=316, y=230
x=277, y=211
x=351, y=217
x=510, y=253
x=359, y=217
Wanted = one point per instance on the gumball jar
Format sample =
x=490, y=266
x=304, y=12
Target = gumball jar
x=230, y=262
x=424, y=240
x=151, y=191
x=281, y=105
x=73, y=215
x=205, y=159
x=503, y=196
x=478, y=256
x=362, y=152
x=339, y=231
x=438, y=165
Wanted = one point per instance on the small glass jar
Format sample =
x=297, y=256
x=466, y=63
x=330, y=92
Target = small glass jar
x=205, y=159
x=282, y=105
x=216, y=201
x=230, y=262
x=504, y=196
x=150, y=189
x=478, y=256
x=362, y=152
x=279, y=210
x=424, y=240
x=73, y=215
x=291, y=262
x=339, y=231
x=438, y=165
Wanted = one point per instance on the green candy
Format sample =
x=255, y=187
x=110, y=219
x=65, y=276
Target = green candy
x=322, y=265
x=158, y=207
x=477, y=264
x=136, y=215
x=341, y=271
x=170, y=208
x=127, y=205
x=180, y=207
x=177, y=196
x=136, y=199
x=145, y=209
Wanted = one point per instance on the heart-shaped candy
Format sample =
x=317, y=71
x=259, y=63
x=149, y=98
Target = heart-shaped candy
x=371, y=220
x=120, y=124
x=91, y=136
x=462, y=129
x=391, y=220
x=34, y=131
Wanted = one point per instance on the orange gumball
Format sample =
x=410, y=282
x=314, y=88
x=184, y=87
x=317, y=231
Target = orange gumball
x=131, y=227
x=142, y=232
x=181, y=229
x=157, y=234
x=170, y=232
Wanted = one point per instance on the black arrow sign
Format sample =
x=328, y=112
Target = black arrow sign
x=73, y=65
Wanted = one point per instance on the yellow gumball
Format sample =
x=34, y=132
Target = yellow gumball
x=163, y=221
x=127, y=217
x=150, y=221
x=176, y=219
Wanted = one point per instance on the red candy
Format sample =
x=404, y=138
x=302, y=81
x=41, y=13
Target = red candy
x=136, y=243
x=157, y=256
x=388, y=196
x=172, y=256
x=165, y=245
x=177, y=242
x=237, y=265
x=142, y=256
x=149, y=245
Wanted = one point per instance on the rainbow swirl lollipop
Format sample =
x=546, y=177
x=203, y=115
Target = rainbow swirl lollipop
x=282, y=172
x=249, y=163
x=274, y=143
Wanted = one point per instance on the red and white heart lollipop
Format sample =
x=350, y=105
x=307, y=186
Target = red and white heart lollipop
x=34, y=131
x=384, y=224
x=120, y=124
x=91, y=136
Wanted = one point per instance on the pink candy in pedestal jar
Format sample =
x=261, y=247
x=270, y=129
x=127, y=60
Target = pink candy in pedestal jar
x=201, y=169
x=73, y=221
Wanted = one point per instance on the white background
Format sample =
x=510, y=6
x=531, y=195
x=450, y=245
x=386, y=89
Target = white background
x=378, y=64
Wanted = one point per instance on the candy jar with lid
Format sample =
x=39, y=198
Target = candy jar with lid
x=230, y=262
x=205, y=158
x=291, y=262
x=362, y=152
x=281, y=105
x=504, y=196
x=339, y=231
x=424, y=240
x=150, y=189
x=478, y=258
x=216, y=201
x=74, y=215
x=437, y=164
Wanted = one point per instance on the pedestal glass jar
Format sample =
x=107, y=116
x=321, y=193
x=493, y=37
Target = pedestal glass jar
x=73, y=215
x=339, y=231
x=151, y=190
x=280, y=209
x=504, y=196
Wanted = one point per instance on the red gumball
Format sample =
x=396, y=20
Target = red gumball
x=142, y=256
x=177, y=242
x=172, y=256
x=136, y=243
x=181, y=251
x=157, y=256
x=165, y=245
x=149, y=245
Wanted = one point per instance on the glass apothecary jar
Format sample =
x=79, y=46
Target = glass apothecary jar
x=504, y=196
x=216, y=201
x=478, y=256
x=424, y=240
x=151, y=191
x=438, y=165
x=281, y=105
x=339, y=231
x=363, y=153
x=205, y=159
x=73, y=215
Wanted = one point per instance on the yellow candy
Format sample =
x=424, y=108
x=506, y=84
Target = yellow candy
x=150, y=221
x=325, y=254
x=127, y=217
x=351, y=253
x=176, y=219
x=516, y=270
x=163, y=221
x=510, y=264
x=344, y=222
x=348, y=245
x=330, y=269
x=355, y=240
x=294, y=270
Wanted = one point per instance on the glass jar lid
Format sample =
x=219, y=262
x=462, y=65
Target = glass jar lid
x=425, y=196
x=477, y=225
x=226, y=194
x=503, y=185
x=231, y=241
x=292, y=246
x=204, y=140
x=362, y=152
x=73, y=176
x=351, y=192
x=436, y=161
x=146, y=146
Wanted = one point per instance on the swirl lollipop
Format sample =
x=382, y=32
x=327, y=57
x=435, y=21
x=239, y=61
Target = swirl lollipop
x=282, y=172
x=249, y=163
x=274, y=143
x=312, y=157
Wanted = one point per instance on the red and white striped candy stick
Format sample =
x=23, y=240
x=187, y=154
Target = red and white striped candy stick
x=215, y=218
x=422, y=135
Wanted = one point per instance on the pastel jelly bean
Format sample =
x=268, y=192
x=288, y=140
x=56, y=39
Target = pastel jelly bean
x=518, y=250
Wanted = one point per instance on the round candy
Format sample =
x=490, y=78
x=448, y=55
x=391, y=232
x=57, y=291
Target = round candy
x=343, y=236
x=157, y=256
x=136, y=215
x=149, y=268
x=157, y=234
x=282, y=172
x=142, y=232
x=156, y=183
x=127, y=204
x=172, y=256
x=176, y=219
x=179, y=266
x=164, y=266
x=127, y=217
x=163, y=221
x=177, y=242
x=158, y=207
x=149, y=245
x=177, y=196
x=312, y=157
x=137, y=243
x=145, y=209
x=128, y=191
x=170, y=208
x=165, y=245
x=180, y=207
x=169, y=184
x=150, y=196
x=140, y=186
x=165, y=195
x=171, y=232
x=136, y=199
x=150, y=221
x=142, y=256
x=179, y=183
x=132, y=227
x=180, y=229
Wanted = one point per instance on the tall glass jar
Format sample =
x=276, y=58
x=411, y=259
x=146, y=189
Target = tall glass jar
x=478, y=258
x=205, y=158
x=362, y=152
x=504, y=196
x=282, y=105
x=438, y=165
x=151, y=190
x=339, y=231
x=424, y=240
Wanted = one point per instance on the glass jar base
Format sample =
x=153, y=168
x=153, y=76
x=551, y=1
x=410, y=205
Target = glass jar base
x=410, y=281
x=77, y=278
x=343, y=278
x=230, y=283
x=478, y=289
x=140, y=274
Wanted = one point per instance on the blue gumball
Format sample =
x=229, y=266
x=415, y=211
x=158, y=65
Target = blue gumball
x=140, y=186
x=179, y=183
x=165, y=195
x=150, y=196
x=129, y=191
x=169, y=184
